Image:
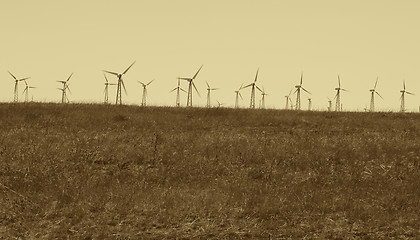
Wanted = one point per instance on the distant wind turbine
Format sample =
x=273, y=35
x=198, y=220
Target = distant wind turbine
x=26, y=90
x=238, y=94
x=64, y=97
x=372, y=97
x=120, y=83
x=403, y=92
x=263, y=94
x=16, y=93
x=309, y=104
x=329, y=105
x=208, y=94
x=106, y=89
x=298, y=87
x=191, y=84
x=178, y=88
x=143, y=99
x=288, y=99
x=253, y=85
x=338, y=105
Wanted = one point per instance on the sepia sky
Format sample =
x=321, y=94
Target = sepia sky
x=357, y=39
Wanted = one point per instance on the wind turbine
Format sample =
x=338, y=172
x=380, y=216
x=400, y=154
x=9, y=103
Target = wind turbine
x=253, y=85
x=236, y=98
x=263, y=94
x=178, y=103
x=208, y=93
x=403, y=92
x=338, y=105
x=120, y=83
x=143, y=99
x=309, y=104
x=64, y=89
x=219, y=105
x=298, y=87
x=106, y=88
x=372, y=97
x=26, y=91
x=288, y=99
x=190, y=86
x=329, y=105
x=64, y=95
x=16, y=93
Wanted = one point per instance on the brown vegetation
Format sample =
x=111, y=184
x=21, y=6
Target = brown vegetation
x=124, y=172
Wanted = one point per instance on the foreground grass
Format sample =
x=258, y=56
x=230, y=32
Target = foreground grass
x=110, y=172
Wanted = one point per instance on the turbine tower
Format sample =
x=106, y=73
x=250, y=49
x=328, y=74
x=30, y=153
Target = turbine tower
x=64, y=97
x=298, y=87
x=263, y=94
x=106, y=89
x=219, y=105
x=372, y=97
x=26, y=91
x=178, y=102
x=309, y=104
x=143, y=99
x=338, y=105
x=253, y=85
x=16, y=93
x=403, y=92
x=238, y=94
x=329, y=105
x=288, y=99
x=190, y=86
x=120, y=83
x=208, y=94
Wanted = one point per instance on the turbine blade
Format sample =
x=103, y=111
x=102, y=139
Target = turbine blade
x=379, y=94
x=196, y=89
x=114, y=73
x=106, y=79
x=404, y=84
x=69, y=77
x=23, y=79
x=141, y=83
x=306, y=90
x=125, y=90
x=410, y=93
x=259, y=88
x=67, y=87
x=188, y=79
x=128, y=68
x=256, y=75
x=13, y=76
x=215, y=89
x=301, y=78
x=248, y=86
x=240, y=95
x=339, y=82
x=208, y=86
x=197, y=73
x=173, y=90
x=240, y=87
x=183, y=90
x=375, y=83
x=150, y=82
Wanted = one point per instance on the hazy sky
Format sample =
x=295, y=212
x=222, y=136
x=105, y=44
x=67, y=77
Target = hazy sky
x=359, y=40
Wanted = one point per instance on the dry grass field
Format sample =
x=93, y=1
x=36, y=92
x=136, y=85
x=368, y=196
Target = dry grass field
x=124, y=172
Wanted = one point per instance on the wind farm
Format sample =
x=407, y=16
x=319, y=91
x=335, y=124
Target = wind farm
x=210, y=120
x=191, y=86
